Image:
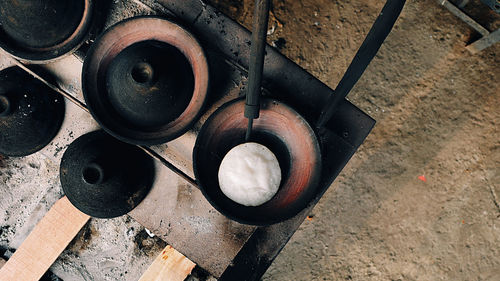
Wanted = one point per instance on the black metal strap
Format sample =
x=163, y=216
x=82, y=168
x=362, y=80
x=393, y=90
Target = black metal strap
x=379, y=31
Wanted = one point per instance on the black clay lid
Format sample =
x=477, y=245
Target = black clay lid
x=104, y=177
x=31, y=113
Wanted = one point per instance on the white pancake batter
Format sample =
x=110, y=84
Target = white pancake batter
x=250, y=174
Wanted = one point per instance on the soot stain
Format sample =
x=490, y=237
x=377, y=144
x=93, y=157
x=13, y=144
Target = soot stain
x=148, y=245
x=83, y=238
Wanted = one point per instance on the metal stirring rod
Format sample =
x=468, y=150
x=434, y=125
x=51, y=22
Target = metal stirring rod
x=256, y=64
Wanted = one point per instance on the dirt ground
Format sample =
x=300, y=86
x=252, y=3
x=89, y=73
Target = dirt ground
x=420, y=199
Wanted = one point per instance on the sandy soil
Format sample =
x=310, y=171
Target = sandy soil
x=438, y=113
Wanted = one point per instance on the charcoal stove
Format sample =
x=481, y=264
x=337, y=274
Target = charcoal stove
x=226, y=249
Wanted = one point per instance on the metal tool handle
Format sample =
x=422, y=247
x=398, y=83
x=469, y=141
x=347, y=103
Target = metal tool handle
x=376, y=36
x=256, y=65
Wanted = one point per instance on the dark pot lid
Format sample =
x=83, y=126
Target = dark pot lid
x=31, y=114
x=39, y=31
x=145, y=80
x=104, y=177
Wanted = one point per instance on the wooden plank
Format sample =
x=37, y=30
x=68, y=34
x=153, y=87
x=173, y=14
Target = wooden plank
x=45, y=243
x=170, y=265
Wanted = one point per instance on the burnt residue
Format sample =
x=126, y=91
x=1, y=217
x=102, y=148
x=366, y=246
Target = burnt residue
x=83, y=238
x=235, y=8
x=49, y=276
x=280, y=43
x=4, y=230
x=3, y=250
x=145, y=244
x=34, y=165
x=2, y=161
x=198, y=274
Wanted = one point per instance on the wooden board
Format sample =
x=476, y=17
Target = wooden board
x=170, y=265
x=45, y=243
x=2, y=262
